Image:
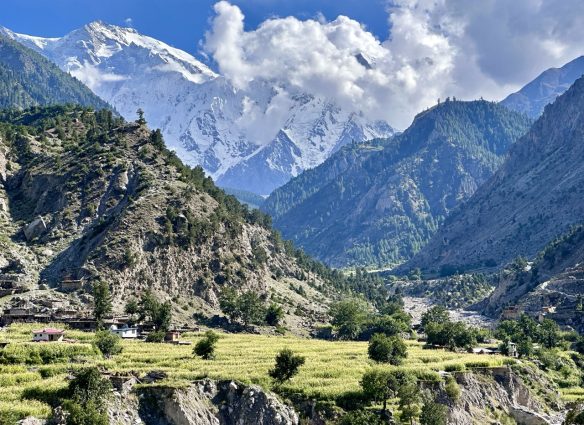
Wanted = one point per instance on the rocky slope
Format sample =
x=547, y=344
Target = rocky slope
x=532, y=99
x=28, y=79
x=254, y=139
x=86, y=196
x=519, y=394
x=534, y=198
x=378, y=203
x=205, y=402
x=555, y=279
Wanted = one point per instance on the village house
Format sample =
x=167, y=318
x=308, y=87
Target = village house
x=125, y=331
x=172, y=337
x=512, y=349
x=48, y=335
x=511, y=313
x=70, y=285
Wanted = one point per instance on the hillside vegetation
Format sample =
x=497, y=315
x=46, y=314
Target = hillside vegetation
x=378, y=203
x=535, y=197
x=104, y=200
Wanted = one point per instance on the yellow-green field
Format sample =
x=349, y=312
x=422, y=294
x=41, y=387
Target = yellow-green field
x=331, y=369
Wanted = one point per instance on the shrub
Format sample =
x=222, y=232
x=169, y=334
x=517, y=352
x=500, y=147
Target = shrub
x=205, y=348
x=274, y=314
x=479, y=364
x=452, y=388
x=156, y=336
x=385, y=349
x=287, y=365
x=84, y=414
x=352, y=400
x=455, y=367
x=433, y=413
x=108, y=343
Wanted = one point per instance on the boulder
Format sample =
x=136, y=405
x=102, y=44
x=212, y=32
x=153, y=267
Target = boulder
x=35, y=229
x=122, y=181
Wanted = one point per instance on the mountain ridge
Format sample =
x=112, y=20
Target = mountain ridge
x=545, y=88
x=28, y=79
x=532, y=199
x=380, y=201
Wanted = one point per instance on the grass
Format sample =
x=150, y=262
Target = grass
x=331, y=369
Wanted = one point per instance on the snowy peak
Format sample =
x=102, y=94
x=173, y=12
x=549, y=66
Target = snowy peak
x=236, y=135
x=533, y=98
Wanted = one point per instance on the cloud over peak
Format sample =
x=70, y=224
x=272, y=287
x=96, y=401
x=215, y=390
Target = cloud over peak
x=436, y=48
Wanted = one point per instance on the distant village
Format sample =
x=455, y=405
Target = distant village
x=57, y=311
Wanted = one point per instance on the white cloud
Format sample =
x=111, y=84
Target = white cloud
x=92, y=76
x=436, y=48
x=129, y=22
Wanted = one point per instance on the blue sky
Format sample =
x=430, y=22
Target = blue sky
x=181, y=23
x=462, y=48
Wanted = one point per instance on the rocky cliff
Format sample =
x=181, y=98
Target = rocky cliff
x=205, y=402
x=520, y=394
x=498, y=395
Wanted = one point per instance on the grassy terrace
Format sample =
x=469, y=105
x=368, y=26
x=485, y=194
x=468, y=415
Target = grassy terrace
x=332, y=368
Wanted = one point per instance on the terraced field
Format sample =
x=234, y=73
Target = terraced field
x=331, y=369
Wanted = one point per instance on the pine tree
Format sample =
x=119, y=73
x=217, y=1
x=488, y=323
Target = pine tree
x=140, y=119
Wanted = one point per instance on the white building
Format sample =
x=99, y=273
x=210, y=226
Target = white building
x=48, y=335
x=124, y=331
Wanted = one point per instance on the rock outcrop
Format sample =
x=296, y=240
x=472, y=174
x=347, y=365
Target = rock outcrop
x=205, y=402
x=518, y=393
x=35, y=229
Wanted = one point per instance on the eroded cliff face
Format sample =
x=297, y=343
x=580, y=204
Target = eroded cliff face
x=205, y=402
x=519, y=394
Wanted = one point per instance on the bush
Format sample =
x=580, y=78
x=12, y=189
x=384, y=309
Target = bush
x=452, y=388
x=88, y=385
x=433, y=414
x=108, y=343
x=479, y=364
x=205, y=348
x=287, y=365
x=156, y=336
x=274, y=314
x=352, y=400
x=84, y=414
x=385, y=349
x=455, y=367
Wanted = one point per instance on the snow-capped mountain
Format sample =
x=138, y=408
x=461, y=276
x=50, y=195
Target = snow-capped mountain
x=533, y=97
x=253, y=139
